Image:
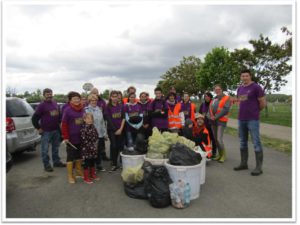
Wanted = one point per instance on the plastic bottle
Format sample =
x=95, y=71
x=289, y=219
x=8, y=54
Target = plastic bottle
x=187, y=194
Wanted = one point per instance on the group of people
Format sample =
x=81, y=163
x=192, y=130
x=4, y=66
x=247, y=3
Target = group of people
x=84, y=123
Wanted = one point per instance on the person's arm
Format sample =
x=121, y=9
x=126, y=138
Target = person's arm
x=35, y=121
x=262, y=102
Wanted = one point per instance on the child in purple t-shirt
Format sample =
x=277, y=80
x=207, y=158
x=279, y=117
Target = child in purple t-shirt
x=134, y=120
x=89, y=142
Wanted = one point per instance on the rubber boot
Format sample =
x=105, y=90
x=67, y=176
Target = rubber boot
x=78, y=167
x=259, y=160
x=217, y=157
x=244, y=160
x=223, y=156
x=87, y=177
x=71, y=178
x=93, y=174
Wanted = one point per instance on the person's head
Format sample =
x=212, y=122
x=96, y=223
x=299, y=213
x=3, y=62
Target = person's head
x=131, y=97
x=74, y=98
x=218, y=89
x=199, y=119
x=95, y=91
x=158, y=93
x=131, y=89
x=208, y=97
x=246, y=76
x=93, y=98
x=143, y=96
x=171, y=97
x=120, y=96
x=113, y=98
x=48, y=94
x=83, y=99
x=186, y=97
x=172, y=90
x=88, y=118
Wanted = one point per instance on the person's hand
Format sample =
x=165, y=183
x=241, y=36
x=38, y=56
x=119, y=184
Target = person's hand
x=190, y=126
x=213, y=118
x=118, y=132
x=66, y=141
x=146, y=126
x=40, y=131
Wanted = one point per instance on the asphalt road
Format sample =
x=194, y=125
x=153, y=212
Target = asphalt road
x=33, y=193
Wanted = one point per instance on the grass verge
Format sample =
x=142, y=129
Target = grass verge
x=274, y=143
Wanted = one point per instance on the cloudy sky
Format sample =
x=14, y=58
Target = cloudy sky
x=117, y=45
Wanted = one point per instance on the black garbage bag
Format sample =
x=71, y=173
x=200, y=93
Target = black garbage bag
x=135, y=190
x=135, y=119
x=131, y=152
x=141, y=144
x=181, y=155
x=157, y=187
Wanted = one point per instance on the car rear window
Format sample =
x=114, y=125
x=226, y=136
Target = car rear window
x=18, y=108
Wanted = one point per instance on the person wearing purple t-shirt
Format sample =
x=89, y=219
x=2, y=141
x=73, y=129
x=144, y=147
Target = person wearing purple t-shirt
x=134, y=120
x=114, y=115
x=177, y=97
x=46, y=120
x=144, y=102
x=71, y=124
x=251, y=100
x=158, y=111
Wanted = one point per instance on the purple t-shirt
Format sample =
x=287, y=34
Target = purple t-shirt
x=132, y=110
x=160, y=123
x=144, y=109
x=102, y=104
x=186, y=109
x=116, y=114
x=64, y=107
x=74, y=119
x=49, y=113
x=249, y=104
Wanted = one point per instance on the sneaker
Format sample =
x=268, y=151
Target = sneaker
x=130, y=149
x=48, y=168
x=100, y=168
x=113, y=169
x=59, y=164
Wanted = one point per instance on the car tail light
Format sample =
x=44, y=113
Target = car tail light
x=10, y=125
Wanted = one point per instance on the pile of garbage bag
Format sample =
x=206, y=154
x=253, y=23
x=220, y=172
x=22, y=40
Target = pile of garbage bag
x=159, y=145
x=182, y=155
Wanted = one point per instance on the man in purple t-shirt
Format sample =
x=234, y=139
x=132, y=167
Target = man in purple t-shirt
x=252, y=101
x=46, y=120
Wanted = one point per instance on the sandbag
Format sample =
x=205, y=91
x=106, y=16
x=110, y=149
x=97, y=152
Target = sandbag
x=135, y=190
x=157, y=187
x=133, y=175
x=181, y=155
x=187, y=142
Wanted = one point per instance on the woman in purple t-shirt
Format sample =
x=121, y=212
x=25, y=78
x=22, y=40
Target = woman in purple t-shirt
x=72, y=121
x=114, y=114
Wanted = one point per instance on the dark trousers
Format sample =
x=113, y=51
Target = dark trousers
x=89, y=163
x=116, y=146
x=101, y=151
x=73, y=154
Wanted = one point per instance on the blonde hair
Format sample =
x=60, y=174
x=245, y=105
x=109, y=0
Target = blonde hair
x=92, y=97
x=86, y=115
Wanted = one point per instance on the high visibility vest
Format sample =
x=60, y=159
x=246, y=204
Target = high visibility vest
x=207, y=147
x=193, y=111
x=174, y=118
x=125, y=100
x=222, y=102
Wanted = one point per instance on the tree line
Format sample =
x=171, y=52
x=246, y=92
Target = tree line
x=269, y=62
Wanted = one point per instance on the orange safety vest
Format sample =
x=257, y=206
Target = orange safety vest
x=192, y=111
x=174, y=118
x=207, y=147
x=222, y=102
x=125, y=100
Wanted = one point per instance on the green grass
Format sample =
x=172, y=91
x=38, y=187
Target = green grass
x=276, y=144
x=279, y=114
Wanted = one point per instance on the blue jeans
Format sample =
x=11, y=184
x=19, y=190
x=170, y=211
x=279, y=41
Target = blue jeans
x=53, y=138
x=252, y=127
x=131, y=137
